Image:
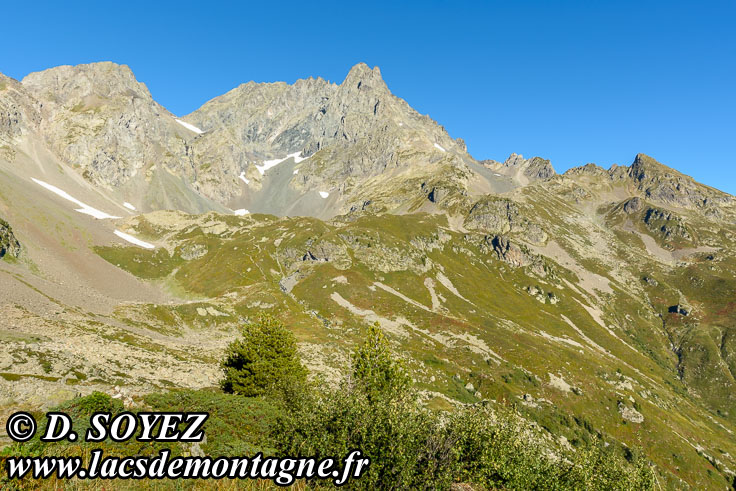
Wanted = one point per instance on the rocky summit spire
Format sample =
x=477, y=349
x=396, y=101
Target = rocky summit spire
x=645, y=166
x=363, y=78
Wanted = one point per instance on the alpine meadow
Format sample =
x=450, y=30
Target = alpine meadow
x=322, y=268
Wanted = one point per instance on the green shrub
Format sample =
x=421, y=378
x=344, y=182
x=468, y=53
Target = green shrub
x=265, y=357
x=375, y=409
x=236, y=426
x=376, y=370
x=93, y=403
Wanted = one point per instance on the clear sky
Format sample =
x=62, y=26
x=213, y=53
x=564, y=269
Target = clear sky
x=575, y=81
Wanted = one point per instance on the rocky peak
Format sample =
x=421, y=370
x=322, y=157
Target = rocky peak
x=100, y=119
x=539, y=168
x=514, y=160
x=91, y=83
x=670, y=187
x=632, y=205
x=645, y=167
x=362, y=77
x=532, y=169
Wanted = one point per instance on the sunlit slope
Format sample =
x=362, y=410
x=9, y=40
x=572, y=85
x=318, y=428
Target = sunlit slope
x=578, y=358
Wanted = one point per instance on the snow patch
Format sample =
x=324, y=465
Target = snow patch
x=324, y=194
x=84, y=208
x=296, y=171
x=129, y=206
x=241, y=212
x=243, y=178
x=133, y=240
x=437, y=146
x=267, y=164
x=190, y=127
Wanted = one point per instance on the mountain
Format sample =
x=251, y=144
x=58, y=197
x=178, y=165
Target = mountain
x=599, y=301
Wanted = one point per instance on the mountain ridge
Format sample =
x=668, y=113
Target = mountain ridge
x=598, y=301
x=124, y=79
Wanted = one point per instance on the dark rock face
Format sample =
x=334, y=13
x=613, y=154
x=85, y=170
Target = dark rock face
x=516, y=256
x=666, y=223
x=509, y=252
x=632, y=206
x=435, y=194
x=8, y=243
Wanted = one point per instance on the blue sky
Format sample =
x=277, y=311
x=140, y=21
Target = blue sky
x=574, y=82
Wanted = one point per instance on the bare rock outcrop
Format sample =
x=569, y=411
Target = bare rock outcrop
x=664, y=185
x=666, y=224
x=516, y=255
x=9, y=245
x=524, y=170
x=100, y=119
x=19, y=115
x=503, y=216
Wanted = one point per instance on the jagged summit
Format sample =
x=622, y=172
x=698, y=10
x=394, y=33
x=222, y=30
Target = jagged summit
x=362, y=77
x=347, y=133
x=523, y=170
x=99, y=119
x=659, y=183
x=666, y=185
x=353, y=142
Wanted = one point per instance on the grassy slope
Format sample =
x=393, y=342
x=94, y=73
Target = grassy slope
x=241, y=271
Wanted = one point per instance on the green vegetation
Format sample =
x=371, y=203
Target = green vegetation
x=376, y=370
x=263, y=358
x=237, y=426
x=140, y=262
x=376, y=410
x=487, y=338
